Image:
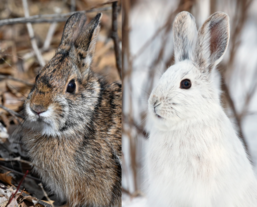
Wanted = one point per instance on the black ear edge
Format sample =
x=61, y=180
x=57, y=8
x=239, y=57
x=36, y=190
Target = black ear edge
x=96, y=20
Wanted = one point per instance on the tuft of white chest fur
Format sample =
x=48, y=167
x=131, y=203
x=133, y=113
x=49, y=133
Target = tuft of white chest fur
x=201, y=165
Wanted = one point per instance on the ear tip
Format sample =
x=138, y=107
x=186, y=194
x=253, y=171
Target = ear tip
x=76, y=16
x=184, y=21
x=183, y=17
x=98, y=17
x=221, y=15
x=184, y=14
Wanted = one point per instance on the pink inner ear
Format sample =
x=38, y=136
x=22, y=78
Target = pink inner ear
x=217, y=39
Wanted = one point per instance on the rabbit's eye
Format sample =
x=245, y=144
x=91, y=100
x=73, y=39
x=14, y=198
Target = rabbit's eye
x=185, y=84
x=37, y=77
x=71, y=86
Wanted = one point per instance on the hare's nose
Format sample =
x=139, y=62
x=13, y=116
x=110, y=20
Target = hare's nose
x=37, y=109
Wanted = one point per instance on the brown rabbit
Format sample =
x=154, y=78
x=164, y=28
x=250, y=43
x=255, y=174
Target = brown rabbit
x=72, y=127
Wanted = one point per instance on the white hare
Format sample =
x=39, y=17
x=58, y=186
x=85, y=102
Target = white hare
x=194, y=157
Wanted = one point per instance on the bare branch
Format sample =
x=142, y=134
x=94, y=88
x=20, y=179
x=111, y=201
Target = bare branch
x=45, y=194
x=237, y=118
x=16, y=159
x=31, y=35
x=15, y=79
x=13, y=113
x=115, y=36
x=22, y=161
x=73, y=5
x=19, y=173
x=45, y=18
x=51, y=32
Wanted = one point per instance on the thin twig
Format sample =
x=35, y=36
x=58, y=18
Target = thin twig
x=22, y=161
x=115, y=37
x=45, y=18
x=45, y=194
x=237, y=118
x=32, y=53
x=15, y=79
x=31, y=35
x=19, y=173
x=13, y=113
x=17, y=189
x=51, y=32
x=73, y=5
x=15, y=159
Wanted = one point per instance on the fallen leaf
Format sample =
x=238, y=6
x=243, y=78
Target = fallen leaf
x=51, y=202
x=6, y=178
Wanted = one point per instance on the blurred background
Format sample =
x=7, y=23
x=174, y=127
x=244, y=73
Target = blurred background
x=148, y=52
x=30, y=32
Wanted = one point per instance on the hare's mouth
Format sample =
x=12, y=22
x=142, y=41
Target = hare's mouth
x=158, y=116
x=155, y=110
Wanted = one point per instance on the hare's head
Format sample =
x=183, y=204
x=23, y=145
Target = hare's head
x=187, y=89
x=65, y=94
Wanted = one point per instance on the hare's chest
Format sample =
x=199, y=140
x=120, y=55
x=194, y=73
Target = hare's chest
x=181, y=156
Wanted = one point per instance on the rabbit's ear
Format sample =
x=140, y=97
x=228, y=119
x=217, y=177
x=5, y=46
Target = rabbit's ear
x=71, y=31
x=212, y=42
x=85, y=43
x=184, y=36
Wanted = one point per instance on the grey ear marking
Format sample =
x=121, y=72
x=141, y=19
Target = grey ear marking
x=184, y=36
x=212, y=42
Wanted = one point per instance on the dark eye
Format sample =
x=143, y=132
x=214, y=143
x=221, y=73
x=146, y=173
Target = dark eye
x=37, y=77
x=185, y=84
x=71, y=86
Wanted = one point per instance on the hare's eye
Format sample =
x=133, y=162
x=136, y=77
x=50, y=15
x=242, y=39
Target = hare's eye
x=185, y=84
x=71, y=86
x=37, y=77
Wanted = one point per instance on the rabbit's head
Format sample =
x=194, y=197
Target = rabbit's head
x=65, y=92
x=187, y=89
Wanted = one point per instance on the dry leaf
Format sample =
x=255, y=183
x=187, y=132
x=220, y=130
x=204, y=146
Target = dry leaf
x=11, y=101
x=3, y=201
x=6, y=178
x=13, y=202
x=49, y=202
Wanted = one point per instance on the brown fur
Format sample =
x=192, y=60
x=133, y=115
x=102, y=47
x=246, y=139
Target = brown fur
x=76, y=150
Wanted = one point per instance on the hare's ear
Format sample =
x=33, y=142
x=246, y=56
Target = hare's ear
x=212, y=42
x=184, y=36
x=71, y=31
x=85, y=43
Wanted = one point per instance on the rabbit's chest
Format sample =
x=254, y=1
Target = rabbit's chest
x=53, y=158
x=176, y=156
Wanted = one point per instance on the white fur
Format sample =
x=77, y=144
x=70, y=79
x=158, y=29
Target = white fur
x=88, y=61
x=194, y=157
x=47, y=125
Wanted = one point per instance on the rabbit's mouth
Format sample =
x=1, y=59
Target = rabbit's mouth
x=40, y=119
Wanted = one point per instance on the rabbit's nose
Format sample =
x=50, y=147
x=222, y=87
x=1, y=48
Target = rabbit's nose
x=37, y=109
